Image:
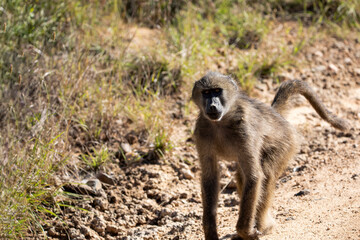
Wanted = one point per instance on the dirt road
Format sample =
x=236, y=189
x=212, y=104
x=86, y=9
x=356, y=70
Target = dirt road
x=161, y=200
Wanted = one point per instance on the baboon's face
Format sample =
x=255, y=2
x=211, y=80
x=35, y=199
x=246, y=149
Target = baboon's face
x=213, y=102
x=213, y=94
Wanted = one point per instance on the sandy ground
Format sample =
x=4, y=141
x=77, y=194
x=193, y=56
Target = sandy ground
x=161, y=199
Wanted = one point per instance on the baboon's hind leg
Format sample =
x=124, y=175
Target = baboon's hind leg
x=264, y=221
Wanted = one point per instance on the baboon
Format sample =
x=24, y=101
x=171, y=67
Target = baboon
x=234, y=127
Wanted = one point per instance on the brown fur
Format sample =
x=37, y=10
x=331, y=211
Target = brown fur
x=255, y=136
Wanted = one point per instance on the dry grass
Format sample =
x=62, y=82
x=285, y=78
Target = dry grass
x=71, y=87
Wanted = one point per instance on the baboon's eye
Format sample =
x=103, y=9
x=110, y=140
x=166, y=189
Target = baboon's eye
x=206, y=92
x=217, y=90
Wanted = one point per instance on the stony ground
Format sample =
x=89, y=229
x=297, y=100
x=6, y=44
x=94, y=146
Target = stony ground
x=317, y=198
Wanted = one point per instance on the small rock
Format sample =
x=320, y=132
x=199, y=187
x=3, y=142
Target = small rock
x=231, y=202
x=75, y=234
x=113, y=197
x=89, y=233
x=109, y=237
x=100, y=203
x=79, y=189
x=85, y=230
x=112, y=229
x=347, y=61
x=302, y=193
x=334, y=68
x=187, y=173
x=153, y=194
x=165, y=212
x=183, y=195
x=226, y=174
x=153, y=174
x=338, y=45
x=95, y=184
x=98, y=225
x=222, y=167
x=261, y=87
x=52, y=232
x=285, y=76
x=178, y=218
x=194, y=200
x=299, y=169
x=319, y=68
x=75, y=220
x=126, y=147
x=318, y=54
x=357, y=71
x=285, y=179
x=105, y=178
x=149, y=204
x=131, y=137
x=141, y=220
x=183, y=165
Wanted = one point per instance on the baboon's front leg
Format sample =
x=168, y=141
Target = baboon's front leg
x=251, y=194
x=210, y=191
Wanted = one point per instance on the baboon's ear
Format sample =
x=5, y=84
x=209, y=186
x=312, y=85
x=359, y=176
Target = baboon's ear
x=233, y=82
x=194, y=90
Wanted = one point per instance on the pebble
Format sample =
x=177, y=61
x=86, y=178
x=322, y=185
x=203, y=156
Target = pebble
x=318, y=54
x=319, y=68
x=75, y=234
x=149, y=204
x=187, y=173
x=231, y=202
x=357, y=71
x=95, y=184
x=183, y=195
x=85, y=230
x=105, y=178
x=100, y=203
x=222, y=166
x=285, y=76
x=112, y=229
x=98, y=225
x=126, y=147
x=113, y=197
x=52, y=232
x=302, y=193
x=299, y=169
x=334, y=68
x=226, y=173
x=165, y=212
x=79, y=189
x=347, y=61
x=338, y=45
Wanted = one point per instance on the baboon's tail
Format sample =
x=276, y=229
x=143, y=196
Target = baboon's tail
x=292, y=87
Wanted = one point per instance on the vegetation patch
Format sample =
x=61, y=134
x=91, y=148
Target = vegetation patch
x=150, y=13
x=75, y=97
x=146, y=75
x=314, y=11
